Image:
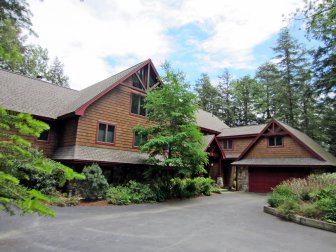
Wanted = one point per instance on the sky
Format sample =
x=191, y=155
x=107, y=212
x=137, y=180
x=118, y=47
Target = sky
x=97, y=39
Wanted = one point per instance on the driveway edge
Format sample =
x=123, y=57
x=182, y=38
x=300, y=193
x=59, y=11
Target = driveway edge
x=302, y=220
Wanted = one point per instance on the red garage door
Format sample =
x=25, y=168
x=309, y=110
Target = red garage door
x=263, y=179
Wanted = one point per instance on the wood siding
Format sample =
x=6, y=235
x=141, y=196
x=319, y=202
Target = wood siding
x=290, y=149
x=238, y=144
x=68, y=131
x=112, y=108
x=47, y=147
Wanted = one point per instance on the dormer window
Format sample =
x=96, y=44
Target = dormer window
x=227, y=144
x=275, y=141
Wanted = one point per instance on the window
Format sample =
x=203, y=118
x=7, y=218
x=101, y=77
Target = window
x=44, y=136
x=139, y=139
x=138, y=102
x=227, y=144
x=105, y=133
x=274, y=141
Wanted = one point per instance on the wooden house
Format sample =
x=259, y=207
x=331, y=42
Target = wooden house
x=94, y=125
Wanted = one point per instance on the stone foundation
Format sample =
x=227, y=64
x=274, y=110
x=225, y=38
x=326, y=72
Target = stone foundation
x=242, y=179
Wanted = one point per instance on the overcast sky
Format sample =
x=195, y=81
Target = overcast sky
x=98, y=38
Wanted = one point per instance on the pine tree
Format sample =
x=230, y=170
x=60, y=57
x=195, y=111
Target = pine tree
x=56, y=74
x=245, y=91
x=292, y=60
x=207, y=94
x=227, y=109
x=268, y=78
x=16, y=155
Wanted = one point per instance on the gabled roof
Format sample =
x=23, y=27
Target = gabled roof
x=252, y=130
x=94, y=92
x=33, y=96
x=305, y=141
x=208, y=121
x=208, y=140
x=29, y=95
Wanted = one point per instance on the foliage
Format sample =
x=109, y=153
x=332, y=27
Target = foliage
x=186, y=188
x=208, y=95
x=320, y=17
x=132, y=192
x=30, y=60
x=175, y=140
x=17, y=155
x=63, y=200
x=17, y=11
x=313, y=197
x=95, y=184
x=135, y=192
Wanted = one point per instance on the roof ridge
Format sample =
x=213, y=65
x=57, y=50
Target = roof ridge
x=127, y=69
x=36, y=79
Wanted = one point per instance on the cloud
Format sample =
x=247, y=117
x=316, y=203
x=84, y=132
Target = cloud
x=85, y=34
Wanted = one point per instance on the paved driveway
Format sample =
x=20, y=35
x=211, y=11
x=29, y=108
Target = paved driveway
x=227, y=222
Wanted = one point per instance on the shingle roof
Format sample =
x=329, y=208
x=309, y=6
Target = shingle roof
x=207, y=139
x=310, y=143
x=90, y=92
x=244, y=130
x=209, y=121
x=93, y=154
x=33, y=96
x=281, y=162
x=29, y=95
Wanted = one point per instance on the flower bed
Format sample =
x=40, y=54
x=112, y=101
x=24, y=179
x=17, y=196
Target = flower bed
x=312, y=197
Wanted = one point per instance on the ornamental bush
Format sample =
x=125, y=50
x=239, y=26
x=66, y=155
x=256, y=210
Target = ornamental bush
x=95, y=185
x=314, y=197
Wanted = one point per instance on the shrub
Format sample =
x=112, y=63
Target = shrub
x=280, y=195
x=63, y=200
x=132, y=192
x=46, y=183
x=290, y=206
x=118, y=195
x=186, y=188
x=311, y=211
x=95, y=184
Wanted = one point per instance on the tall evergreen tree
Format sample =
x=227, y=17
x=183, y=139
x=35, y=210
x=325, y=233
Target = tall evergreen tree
x=268, y=102
x=226, y=105
x=321, y=25
x=207, y=94
x=291, y=59
x=56, y=74
x=245, y=91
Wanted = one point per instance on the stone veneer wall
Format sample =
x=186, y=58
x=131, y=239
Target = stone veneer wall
x=242, y=178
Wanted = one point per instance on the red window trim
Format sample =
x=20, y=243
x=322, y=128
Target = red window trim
x=228, y=139
x=133, y=146
x=130, y=106
x=114, y=135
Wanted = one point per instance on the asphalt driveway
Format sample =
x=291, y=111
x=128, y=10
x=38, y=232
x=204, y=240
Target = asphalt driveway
x=227, y=222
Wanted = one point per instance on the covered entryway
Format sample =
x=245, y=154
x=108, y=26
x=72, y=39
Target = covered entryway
x=263, y=179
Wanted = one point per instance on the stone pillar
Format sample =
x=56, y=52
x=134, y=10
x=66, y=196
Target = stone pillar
x=242, y=178
x=220, y=182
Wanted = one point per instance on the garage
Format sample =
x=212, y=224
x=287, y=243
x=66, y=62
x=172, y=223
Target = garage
x=263, y=179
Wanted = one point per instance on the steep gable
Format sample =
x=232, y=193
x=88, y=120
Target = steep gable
x=92, y=93
x=295, y=145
